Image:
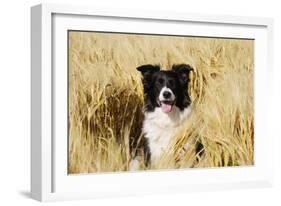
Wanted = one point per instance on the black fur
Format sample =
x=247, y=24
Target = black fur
x=176, y=79
x=154, y=79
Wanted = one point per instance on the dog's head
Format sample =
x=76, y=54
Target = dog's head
x=165, y=89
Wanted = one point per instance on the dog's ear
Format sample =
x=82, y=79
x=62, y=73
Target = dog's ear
x=183, y=70
x=148, y=69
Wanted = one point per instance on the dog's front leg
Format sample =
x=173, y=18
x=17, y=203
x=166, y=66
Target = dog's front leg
x=134, y=164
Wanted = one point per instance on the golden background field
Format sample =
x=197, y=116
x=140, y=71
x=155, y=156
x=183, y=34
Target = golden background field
x=106, y=97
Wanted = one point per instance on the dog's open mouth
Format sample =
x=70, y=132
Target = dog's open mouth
x=166, y=106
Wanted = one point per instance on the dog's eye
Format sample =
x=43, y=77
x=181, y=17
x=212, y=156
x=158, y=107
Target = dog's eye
x=161, y=81
x=171, y=82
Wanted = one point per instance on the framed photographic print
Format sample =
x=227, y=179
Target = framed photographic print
x=137, y=102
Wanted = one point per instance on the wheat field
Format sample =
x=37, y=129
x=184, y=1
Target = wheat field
x=106, y=99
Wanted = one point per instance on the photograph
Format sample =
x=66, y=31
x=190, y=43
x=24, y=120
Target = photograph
x=144, y=102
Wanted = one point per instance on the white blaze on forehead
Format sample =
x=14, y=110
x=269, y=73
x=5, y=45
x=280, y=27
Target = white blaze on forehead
x=161, y=96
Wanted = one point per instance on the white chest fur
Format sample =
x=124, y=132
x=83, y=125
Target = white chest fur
x=160, y=128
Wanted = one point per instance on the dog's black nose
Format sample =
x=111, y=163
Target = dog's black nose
x=166, y=94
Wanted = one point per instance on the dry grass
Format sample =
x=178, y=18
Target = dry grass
x=106, y=98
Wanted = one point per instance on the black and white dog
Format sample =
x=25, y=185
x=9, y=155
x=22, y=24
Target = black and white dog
x=167, y=105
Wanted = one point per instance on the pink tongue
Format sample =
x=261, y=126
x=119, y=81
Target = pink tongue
x=166, y=107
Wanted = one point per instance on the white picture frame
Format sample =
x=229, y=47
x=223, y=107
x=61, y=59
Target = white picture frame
x=49, y=179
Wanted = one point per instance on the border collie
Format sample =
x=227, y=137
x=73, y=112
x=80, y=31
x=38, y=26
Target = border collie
x=167, y=105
